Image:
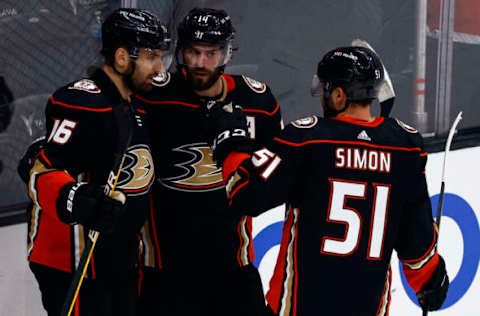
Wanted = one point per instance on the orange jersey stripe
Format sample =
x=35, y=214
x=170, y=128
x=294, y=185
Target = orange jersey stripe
x=417, y=278
x=262, y=111
x=78, y=107
x=377, y=121
x=168, y=102
x=326, y=141
x=231, y=163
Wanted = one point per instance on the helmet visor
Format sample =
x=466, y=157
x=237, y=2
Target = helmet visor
x=316, y=89
x=154, y=56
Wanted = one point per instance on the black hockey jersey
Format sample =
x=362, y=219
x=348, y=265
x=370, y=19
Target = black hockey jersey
x=355, y=191
x=189, y=226
x=81, y=142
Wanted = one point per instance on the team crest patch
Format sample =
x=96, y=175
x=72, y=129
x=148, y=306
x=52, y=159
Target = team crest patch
x=406, y=127
x=195, y=170
x=85, y=85
x=257, y=86
x=306, y=122
x=161, y=80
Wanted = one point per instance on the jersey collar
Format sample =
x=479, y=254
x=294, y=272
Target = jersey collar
x=377, y=121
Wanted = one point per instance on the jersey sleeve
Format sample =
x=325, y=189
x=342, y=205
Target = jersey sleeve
x=275, y=120
x=269, y=121
x=258, y=182
x=70, y=148
x=417, y=240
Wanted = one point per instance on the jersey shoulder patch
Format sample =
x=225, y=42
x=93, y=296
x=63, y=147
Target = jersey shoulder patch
x=256, y=86
x=85, y=85
x=406, y=127
x=162, y=79
x=306, y=122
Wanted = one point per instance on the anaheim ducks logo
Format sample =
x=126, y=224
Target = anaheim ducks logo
x=306, y=122
x=137, y=172
x=406, y=127
x=257, y=86
x=199, y=173
x=161, y=79
x=85, y=85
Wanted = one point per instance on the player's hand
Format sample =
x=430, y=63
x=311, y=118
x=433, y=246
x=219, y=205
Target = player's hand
x=226, y=129
x=88, y=205
x=434, y=292
x=28, y=159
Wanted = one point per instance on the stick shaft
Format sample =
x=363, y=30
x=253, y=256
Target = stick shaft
x=122, y=115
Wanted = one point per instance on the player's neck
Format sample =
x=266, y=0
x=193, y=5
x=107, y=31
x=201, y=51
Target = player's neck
x=358, y=112
x=117, y=79
x=215, y=90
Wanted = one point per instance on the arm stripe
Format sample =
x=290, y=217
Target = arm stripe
x=78, y=107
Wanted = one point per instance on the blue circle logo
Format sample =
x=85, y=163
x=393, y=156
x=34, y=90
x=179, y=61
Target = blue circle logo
x=266, y=239
x=460, y=211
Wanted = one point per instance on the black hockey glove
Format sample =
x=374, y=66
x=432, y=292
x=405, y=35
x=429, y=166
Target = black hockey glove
x=26, y=162
x=226, y=128
x=87, y=204
x=434, y=292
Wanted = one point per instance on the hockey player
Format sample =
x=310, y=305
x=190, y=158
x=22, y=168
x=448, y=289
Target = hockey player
x=206, y=256
x=355, y=190
x=68, y=178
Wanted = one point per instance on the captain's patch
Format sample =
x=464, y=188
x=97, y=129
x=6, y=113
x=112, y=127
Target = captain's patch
x=85, y=85
x=406, y=127
x=257, y=86
x=306, y=122
x=162, y=79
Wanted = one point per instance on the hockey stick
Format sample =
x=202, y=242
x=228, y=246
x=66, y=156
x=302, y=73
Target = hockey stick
x=123, y=122
x=386, y=95
x=442, y=186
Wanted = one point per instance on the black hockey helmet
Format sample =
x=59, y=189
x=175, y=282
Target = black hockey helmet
x=134, y=29
x=206, y=26
x=357, y=70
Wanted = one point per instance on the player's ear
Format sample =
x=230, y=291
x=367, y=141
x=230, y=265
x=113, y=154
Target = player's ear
x=339, y=98
x=122, y=59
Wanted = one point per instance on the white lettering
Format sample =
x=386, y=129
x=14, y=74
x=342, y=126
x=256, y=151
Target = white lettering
x=373, y=160
x=349, y=158
x=340, y=162
x=363, y=159
x=360, y=160
x=385, y=158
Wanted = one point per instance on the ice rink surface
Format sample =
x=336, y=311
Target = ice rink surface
x=19, y=294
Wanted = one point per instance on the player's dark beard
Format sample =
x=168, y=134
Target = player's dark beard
x=129, y=82
x=200, y=84
x=328, y=109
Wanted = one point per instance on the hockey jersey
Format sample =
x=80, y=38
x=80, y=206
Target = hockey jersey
x=355, y=191
x=82, y=140
x=189, y=225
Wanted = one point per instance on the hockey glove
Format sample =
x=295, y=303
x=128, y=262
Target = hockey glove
x=28, y=159
x=87, y=204
x=226, y=128
x=434, y=292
